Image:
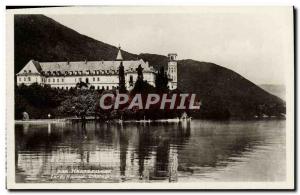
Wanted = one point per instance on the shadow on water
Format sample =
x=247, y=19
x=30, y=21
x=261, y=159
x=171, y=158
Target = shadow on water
x=131, y=152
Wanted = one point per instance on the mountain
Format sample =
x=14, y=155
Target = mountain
x=223, y=92
x=277, y=90
x=43, y=39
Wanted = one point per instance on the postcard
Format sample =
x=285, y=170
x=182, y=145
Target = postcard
x=174, y=97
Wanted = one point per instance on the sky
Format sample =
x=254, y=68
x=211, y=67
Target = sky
x=257, y=43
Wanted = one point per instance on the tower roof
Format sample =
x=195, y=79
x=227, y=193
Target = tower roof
x=119, y=56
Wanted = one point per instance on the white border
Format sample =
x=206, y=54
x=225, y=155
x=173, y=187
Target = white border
x=289, y=184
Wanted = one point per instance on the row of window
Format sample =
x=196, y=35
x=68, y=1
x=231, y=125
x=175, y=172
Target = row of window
x=26, y=79
x=96, y=72
x=98, y=87
x=57, y=80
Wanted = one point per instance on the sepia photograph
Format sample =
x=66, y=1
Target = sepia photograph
x=112, y=97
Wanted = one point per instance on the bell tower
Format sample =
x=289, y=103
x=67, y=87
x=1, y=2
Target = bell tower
x=172, y=70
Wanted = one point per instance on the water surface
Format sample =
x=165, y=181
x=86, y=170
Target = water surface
x=185, y=152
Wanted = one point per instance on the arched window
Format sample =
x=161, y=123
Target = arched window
x=107, y=87
x=131, y=80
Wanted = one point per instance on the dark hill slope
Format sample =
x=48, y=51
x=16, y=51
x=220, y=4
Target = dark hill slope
x=223, y=92
x=43, y=39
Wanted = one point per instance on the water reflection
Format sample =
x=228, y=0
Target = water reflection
x=139, y=152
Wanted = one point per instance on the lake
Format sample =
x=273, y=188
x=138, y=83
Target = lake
x=194, y=151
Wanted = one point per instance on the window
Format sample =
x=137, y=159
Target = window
x=79, y=79
x=98, y=87
x=75, y=80
x=24, y=78
x=49, y=80
x=28, y=78
x=53, y=80
x=107, y=87
x=93, y=78
x=25, y=71
x=131, y=80
x=20, y=79
x=58, y=80
x=62, y=80
x=98, y=79
x=29, y=71
x=67, y=88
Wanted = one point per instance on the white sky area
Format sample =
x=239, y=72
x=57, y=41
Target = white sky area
x=255, y=43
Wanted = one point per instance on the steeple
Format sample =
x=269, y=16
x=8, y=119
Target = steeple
x=119, y=56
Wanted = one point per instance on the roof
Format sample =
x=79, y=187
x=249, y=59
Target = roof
x=129, y=66
x=119, y=56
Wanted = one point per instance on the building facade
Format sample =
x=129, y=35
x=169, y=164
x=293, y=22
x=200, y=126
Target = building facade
x=99, y=74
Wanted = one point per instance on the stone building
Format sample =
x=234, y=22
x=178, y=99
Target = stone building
x=99, y=74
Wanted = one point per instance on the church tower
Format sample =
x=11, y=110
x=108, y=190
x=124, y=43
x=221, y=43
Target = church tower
x=172, y=70
x=119, y=56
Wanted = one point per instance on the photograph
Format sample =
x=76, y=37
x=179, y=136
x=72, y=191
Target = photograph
x=150, y=97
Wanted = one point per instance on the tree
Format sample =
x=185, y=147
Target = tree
x=122, y=87
x=161, y=80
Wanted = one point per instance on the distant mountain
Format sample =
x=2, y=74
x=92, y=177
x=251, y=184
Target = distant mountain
x=223, y=92
x=278, y=90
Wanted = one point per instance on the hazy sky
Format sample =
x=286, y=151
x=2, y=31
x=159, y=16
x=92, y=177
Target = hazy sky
x=256, y=43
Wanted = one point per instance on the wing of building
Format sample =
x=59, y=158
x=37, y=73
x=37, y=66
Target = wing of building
x=99, y=74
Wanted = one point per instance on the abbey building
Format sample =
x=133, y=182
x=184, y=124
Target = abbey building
x=97, y=74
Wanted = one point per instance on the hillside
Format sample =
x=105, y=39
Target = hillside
x=277, y=90
x=223, y=92
x=43, y=39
